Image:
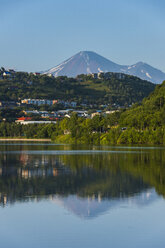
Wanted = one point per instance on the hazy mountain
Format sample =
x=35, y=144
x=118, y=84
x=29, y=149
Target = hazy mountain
x=86, y=62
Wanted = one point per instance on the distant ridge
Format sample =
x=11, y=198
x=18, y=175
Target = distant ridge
x=87, y=62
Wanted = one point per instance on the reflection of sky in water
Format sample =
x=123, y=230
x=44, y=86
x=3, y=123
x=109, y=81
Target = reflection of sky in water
x=92, y=207
x=98, y=198
x=47, y=224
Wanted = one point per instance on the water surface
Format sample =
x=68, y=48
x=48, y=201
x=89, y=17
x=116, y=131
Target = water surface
x=77, y=196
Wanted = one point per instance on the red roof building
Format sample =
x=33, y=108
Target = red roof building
x=23, y=119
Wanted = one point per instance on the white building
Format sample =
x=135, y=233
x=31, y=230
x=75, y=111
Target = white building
x=38, y=102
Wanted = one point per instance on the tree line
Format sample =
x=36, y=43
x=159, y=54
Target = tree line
x=99, y=130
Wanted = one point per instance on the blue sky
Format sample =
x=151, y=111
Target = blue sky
x=39, y=34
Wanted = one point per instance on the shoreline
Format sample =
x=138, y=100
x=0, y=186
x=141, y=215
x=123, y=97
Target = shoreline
x=23, y=139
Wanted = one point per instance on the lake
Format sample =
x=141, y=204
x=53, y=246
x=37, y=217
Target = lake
x=81, y=197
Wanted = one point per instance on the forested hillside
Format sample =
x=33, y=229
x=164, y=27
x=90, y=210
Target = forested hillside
x=149, y=114
x=145, y=123
x=83, y=89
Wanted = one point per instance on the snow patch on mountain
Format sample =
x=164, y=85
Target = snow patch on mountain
x=148, y=75
x=99, y=70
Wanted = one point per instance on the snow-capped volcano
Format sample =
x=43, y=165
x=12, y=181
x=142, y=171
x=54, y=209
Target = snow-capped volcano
x=83, y=63
x=87, y=62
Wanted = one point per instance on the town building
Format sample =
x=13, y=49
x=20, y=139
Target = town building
x=38, y=102
x=22, y=119
x=108, y=75
x=26, y=122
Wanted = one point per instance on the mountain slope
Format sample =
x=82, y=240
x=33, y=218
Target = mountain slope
x=84, y=63
x=146, y=72
x=87, y=62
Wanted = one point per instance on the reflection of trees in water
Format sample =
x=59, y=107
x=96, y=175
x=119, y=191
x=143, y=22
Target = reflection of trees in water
x=83, y=175
x=104, y=175
x=149, y=165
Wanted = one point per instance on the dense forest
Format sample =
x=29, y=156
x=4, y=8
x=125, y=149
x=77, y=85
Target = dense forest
x=81, y=89
x=145, y=122
x=150, y=113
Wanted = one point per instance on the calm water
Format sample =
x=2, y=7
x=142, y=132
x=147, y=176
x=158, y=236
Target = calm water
x=81, y=197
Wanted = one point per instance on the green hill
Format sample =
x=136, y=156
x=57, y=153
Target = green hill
x=145, y=123
x=83, y=89
x=150, y=114
x=141, y=124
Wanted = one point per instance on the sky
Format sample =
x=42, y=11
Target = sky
x=36, y=35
